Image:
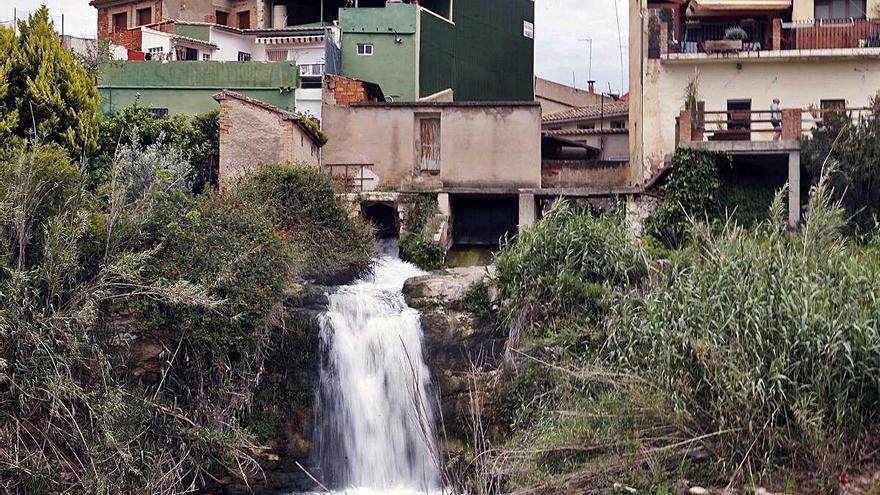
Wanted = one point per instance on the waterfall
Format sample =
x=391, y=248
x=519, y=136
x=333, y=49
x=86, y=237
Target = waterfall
x=374, y=419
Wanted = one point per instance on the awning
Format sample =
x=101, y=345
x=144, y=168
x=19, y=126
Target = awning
x=715, y=7
x=290, y=40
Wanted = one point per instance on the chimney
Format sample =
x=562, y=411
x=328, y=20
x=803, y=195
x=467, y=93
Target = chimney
x=591, y=85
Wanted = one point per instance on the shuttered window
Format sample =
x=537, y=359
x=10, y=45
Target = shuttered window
x=429, y=144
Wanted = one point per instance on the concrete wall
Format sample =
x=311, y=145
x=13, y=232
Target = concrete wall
x=554, y=96
x=232, y=43
x=393, y=32
x=481, y=146
x=798, y=84
x=251, y=136
x=803, y=10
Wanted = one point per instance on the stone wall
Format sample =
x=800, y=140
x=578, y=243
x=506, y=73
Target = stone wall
x=253, y=135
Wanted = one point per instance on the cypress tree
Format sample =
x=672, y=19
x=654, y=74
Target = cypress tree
x=8, y=112
x=49, y=89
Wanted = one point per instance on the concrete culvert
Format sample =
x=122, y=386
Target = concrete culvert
x=384, y=219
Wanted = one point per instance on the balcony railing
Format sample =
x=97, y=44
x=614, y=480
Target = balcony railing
x=755, y=125
x=774, y=35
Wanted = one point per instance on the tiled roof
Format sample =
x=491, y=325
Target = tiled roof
x=590, y=112
x=584, y=132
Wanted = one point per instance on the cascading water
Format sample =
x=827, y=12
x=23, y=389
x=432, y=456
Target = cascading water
x=374, y=430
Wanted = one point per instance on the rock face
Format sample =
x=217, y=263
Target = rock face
x=459, y=346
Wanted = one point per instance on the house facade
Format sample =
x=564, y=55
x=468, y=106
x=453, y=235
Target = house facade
x=813, y=55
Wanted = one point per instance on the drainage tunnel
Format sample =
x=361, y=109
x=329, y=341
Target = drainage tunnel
x=483, y=220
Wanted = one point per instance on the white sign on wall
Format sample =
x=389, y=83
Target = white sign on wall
x=528, y=30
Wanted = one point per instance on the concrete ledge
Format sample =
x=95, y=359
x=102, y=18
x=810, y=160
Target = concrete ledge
x=771, y=55
x=744, y=147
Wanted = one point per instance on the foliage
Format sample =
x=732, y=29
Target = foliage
x=736, y=33
x=48, y=91
x=324, y=242
x=557, y=270
x=477, y=301
x=854, y=146
x=107, y=287
x=198, y=136
x=690, y=191
x=768, y=342
x=692, y=92
x=416, y=245
x=426, y=254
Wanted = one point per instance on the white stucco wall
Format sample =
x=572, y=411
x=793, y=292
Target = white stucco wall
x=231, y=43
x=308, y=101
x=154, y=39
x=797, y=83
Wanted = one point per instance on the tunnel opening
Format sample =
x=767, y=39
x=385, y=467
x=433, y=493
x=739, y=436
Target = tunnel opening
x=483, y=220
x=384, y=218
x=748, y=184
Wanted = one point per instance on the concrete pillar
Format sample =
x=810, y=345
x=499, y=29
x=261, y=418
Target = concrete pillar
x=792, y=124
x=777, y=34
x=794, y=189
x=664, y=38
x=528, y=211
x=443, y=205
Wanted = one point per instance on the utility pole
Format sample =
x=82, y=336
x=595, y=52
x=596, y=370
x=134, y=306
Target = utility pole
x=590, y=66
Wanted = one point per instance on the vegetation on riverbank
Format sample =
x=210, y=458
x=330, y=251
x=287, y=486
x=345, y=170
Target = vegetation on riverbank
x=751, y=359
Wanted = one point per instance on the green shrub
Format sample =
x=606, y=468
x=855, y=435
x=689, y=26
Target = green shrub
x=425, y=254
x=325, y=243
x=555, y=271
x=769, y=341
x=690, y=194
x=477, y=301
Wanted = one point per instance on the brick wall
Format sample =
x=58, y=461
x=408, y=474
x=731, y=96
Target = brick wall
x=252, y=136
x=344, y=90
x=130, y=39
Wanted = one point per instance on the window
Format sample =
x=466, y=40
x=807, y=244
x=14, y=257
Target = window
x=739, y=114
x=155, y=53
x=839, y=9
x=365, y=49
x=832, y=104
x=311, y=70
x=428, y=144
x=221, y=18
x=206, y=56
x=184, y=53
x=276, y=55
x=158, y=112
x=244, y=19
x=618, y=124
x=587, y=127
x=120, y=22
x=144, y=16
x=244, y=57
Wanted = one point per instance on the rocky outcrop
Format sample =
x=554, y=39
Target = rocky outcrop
x=460, y=346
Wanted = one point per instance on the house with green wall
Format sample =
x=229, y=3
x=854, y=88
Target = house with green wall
x=188, y=87
x=481, y=49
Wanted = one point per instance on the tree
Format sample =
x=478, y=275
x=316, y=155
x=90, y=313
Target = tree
x=46, y=89
x=8, y=114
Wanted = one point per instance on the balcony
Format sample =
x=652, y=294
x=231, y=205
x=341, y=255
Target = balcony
x=769, y=38
x=751, y=131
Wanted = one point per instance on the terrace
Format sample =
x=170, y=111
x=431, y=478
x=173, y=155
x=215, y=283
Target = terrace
x=703, y=29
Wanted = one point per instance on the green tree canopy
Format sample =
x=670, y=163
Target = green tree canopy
x=42, y=86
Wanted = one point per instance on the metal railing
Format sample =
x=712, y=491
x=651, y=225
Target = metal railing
x=342, y=173
x=830, y=34
x=824, y=34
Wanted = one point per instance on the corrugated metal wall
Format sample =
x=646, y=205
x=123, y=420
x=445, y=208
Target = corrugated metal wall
x=436, y=70
x=493, y=59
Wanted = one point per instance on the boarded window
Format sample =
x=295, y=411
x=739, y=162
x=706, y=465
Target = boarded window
x=144, y=16
x=429, y=144
x=120, y=22
x=244, y=19
x=276, y=55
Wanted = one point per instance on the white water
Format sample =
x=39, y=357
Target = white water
x=374, y=417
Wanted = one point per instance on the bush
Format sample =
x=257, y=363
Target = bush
x=691, y=192
x=325, y=243
x=854, y=148
x=425, y=254
x=768, y=341
x=557, y=270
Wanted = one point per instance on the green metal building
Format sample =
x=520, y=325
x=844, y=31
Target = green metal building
x=481, y=49
x=188, y=87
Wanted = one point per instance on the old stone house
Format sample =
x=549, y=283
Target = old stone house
x=254, y=133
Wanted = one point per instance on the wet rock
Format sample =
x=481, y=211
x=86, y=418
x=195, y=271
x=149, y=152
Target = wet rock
x=444, y=287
